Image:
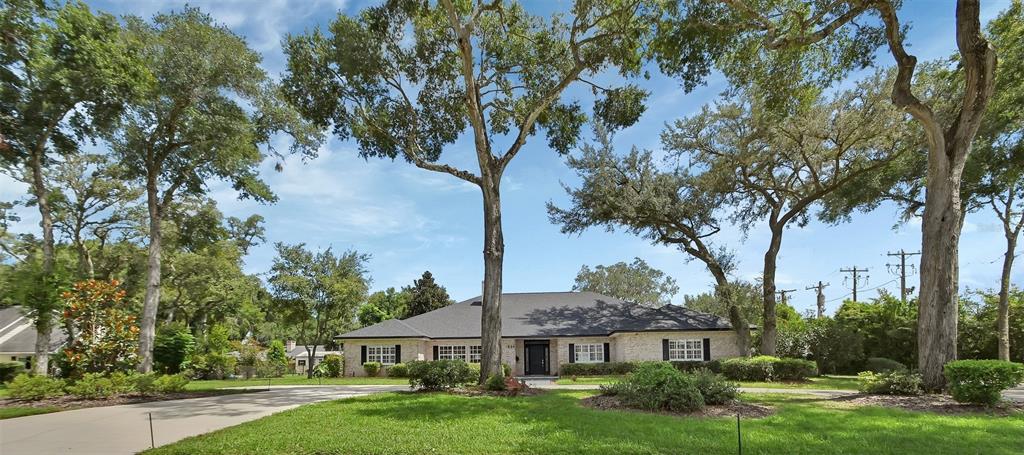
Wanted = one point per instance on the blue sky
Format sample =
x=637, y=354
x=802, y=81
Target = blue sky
x=411, y=220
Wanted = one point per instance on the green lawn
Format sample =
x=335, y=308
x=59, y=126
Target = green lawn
x=823, y=382
x=400, y=423
x=10, y=412
x=3, y=391
x=291, y=380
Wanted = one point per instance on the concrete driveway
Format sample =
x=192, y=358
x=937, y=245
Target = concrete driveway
x=124, y=429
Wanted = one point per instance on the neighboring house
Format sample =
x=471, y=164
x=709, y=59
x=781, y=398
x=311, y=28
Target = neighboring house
x=300, y=357
x=18, y=336
x=542, y=331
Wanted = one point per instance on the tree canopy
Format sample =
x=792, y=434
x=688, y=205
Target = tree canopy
x=634, y=282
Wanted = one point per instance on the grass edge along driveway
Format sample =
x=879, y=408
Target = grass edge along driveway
x=398, y=423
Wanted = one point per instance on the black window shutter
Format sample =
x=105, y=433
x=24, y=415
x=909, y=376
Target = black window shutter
x=664, y=349
x=398, y=353
x=707, y=349
x=607, y=352
x=572, y=353
x=362, y=354
x=435, y=352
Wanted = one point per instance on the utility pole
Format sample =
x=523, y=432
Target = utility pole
x=783, y=292
x=820, y=288
x=901, y=269
x=855, y=272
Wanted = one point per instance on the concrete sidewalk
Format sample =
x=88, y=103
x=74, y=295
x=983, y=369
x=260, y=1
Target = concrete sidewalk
x=124, y=429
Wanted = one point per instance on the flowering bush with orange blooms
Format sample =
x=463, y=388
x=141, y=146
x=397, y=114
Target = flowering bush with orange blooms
x=105, y=329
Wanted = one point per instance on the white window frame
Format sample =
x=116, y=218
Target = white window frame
x=463, y=352
x=686, y=350
x=588, y=352
x=383, y=354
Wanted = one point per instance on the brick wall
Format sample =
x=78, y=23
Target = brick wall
x=647, y=345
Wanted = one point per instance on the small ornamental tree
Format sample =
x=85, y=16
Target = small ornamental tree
x=106, y=329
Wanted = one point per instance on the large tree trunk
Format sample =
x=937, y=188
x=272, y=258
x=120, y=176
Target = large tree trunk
x=147, y=329
x=725, y=292
x=44, y=315
x=769, y=329
x=940, y=239
x=494, y=253
x=1003, y=318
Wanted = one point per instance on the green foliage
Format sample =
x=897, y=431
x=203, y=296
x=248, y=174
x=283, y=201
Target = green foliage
x=835, y=347
x=211, y=365
x=398, y=370
x=714, y=387
x=636, y=282
x=106, y=334
x=317, y=293
x=887, y=327
x=982, y=381
x=384, y=305
x=33, y=388
x=170, y=383
x=768, y=368
x=8, y=370
x=883, y=365
x=658, y=386
x=976, y=337
x=495, y=383
x=93, y=386
x=595, y=369
x=894, y=382
x=371, y=368
x=144, y=383
x=440, y=374
x=333, y=365
x=172, y=345
x=425, y=295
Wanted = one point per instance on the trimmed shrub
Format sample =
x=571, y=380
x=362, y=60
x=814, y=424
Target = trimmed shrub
x=658, y=386
x=398, y=370
x=688, y=367
x=92, y=386
x=213, y=365
x=899, y=382
x=333, y=365
x=144, y=383
x=596, y=369
x=170, y=383
x=794, y=369
x=883, y=365
x=768, y=368
x=495, y=382
x=171, y=346
x=982, y=381
x=8, y=370
x=440, y=374
x=28, y=387
x=506, y=369
x=371, y=368
x=714, y=387
x=760, y=368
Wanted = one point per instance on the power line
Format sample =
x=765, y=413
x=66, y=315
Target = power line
x=820, y=288
x=901, y=270
x=856, y=278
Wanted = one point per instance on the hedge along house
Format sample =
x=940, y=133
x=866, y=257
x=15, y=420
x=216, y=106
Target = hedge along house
x=542, y=331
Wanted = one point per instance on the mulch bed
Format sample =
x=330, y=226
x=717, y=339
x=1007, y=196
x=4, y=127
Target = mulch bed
x=745, y=410
x=939, y=404
x=68, y=402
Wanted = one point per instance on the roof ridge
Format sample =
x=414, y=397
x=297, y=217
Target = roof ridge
x=414, y=329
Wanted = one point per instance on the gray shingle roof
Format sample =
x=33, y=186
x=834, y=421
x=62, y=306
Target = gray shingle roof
x=545, y=314
x=18, y=335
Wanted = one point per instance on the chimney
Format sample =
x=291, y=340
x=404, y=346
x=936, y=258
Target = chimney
x=289, y=345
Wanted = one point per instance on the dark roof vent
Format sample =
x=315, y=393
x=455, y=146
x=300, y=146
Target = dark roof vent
x=476, y=303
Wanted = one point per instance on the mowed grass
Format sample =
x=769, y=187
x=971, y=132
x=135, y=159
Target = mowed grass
x=10, y=412
x=822, y=383
x=420, y=423
x=292, y=380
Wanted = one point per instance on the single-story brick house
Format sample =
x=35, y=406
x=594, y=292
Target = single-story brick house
x=541, y=331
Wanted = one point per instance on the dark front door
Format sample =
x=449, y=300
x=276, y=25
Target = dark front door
x=537, y=358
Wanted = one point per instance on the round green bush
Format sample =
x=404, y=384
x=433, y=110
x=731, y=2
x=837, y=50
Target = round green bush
x=398, y=370
x=982, y=381
x=8, y=370
x=658, y=386
x=883, y=365
x=714, y=388
x=496, y=382
x=440, y=374
x=371, y=368
x=898, y=382
x=31, y=388
x=170, y=383
x=333, y=365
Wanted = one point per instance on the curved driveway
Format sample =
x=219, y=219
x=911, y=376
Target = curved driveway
x=124, y=429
